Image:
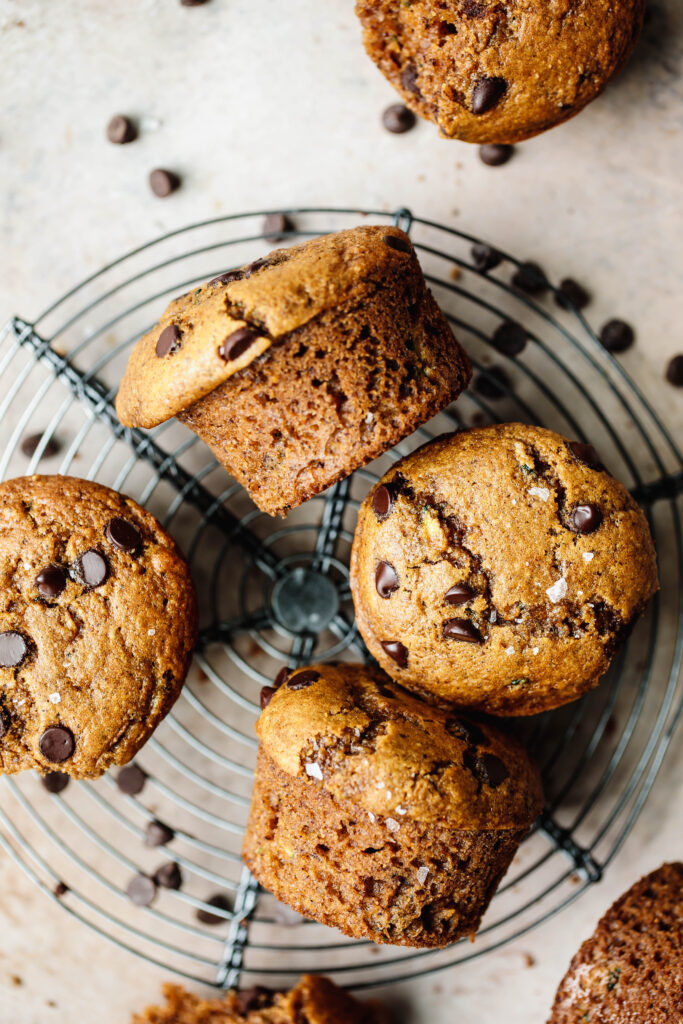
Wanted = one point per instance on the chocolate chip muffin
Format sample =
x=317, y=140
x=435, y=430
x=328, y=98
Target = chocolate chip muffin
x=380, y=815
x=631, y=968
x=315, y=1000
x=303, y=366
x=486, y=71
x=97, y=623
x=500, y=568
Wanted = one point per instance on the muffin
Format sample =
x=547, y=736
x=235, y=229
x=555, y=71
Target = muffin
x=303, y=366
x=97, y=624
x=315, y=1000
x=631, y=968
x=486, y=71
x=499, y=569
x=379, y=815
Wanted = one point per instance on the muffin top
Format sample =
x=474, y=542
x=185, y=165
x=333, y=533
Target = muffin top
x=350, y=729
x=207, y=335
x=97, y=624
x=487, y=71
x=631, y=968
x=499, y=568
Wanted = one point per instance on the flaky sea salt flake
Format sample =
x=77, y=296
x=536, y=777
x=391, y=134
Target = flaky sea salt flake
x=422, y=874
x=558, y=590
x=314, y=771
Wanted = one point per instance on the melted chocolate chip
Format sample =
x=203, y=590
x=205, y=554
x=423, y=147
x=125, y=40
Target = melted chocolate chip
x=300, y=680
x=409, y=80
x=131, y=780
x=237, y=343
x=585, y=453
x=266, y=695
x=398, y=243
x=55, y=782
x=57, y=744
x=91, y=568
x=4, y=723
x=530, y=278
x=386, y=579
x=459, y=594
x=220, y=902
x=396, y=651
x=585, y=518
x=467, y=731
x=495, y=154
x=461, y=629
x=487, y=93
x=510, y=338
x=121, y=130
x=382, y=502
x=168, y=876
x=253, y=267
x=485, y=257
x=398, y=119
x=158, y=834
x=227, y=278
x=13, y=649
x=141, y=890
x=168, y=341
x=282, y=676
x=246, y=1000
x=123, y=535
x=50, y=582
x=487, y=768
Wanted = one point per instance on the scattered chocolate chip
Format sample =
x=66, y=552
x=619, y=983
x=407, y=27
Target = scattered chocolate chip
x=382, y=502
x=302, y=679
x=398, y=119
x=121, y=130
x=193, y=3
x=495, y=154
x=4, y=722
x=168, y=341
x=246, y=1000
x=487, y=93
x=57, y=744
x=485, y=257
x=91, y=568
x=461, y=629
x=61, y=889
x=396, y=651
x=530, y=278
x=13, y=649
x=398, y=243
x=459, y=594
x=467, y=731
x=617, y=336
x=409, y=80
x=492, y=383
x=510, y=338
x=168, y=876
x=266, y=695
x=571, y=295
x=50, y=582
x=141, y=890
x=158, y=834
x=585, y=518
x=163, y=182
x=55, y=782
x=386, y=579
x=585, y=453
x=674, y=371
x=220, y=902
x=227, y=278
x=237, y=343
x=282, y=676
x=275, y=226
x=131, y=779
x=487, y=768
x=123, y=535
x=30, y=443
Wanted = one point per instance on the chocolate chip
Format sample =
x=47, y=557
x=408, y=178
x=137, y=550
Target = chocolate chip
x=5, y=723
x=495, y=154
x=158, y=834
x=91, y=568
x=585, y=453
x=467, y=731
x=300, y=680
x=141, y=890
x=227, y=278
x=57, y=744
x=253, y=267
x=121, y=130
x=487, y=768
x=13, y=649
x=245, y=1000
x=163, y=182
x=55, y=782
x=396, y=651
x=382, y=502
x=485, y=257
x=168, y=876
x=50, y=582
x=409, y=80
x=386, y=579
x=571, y=295
x=237, y=343
x=398, y=119
x=123, y=535
x=266, y=695
x=459, y=594
x=510, y=338
x=275, y=225
x=220, y=902
x=487, y=93
x=60, y=889
x=168, y=341
x=131, y=780
x=30, y=443
x=617, y=336
x=530, y=278
x=398, y=243
x=193, y=3
x=674, y=371
x=282, y=676
x=585, y=518
x=492, y=383
x=461, y=629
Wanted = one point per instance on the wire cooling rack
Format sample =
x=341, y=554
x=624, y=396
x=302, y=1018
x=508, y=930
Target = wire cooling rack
x=276, y=592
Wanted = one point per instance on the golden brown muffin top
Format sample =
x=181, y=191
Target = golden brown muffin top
x=630, y=971
x=209, y=334
x=97, y=624
x=352, y=730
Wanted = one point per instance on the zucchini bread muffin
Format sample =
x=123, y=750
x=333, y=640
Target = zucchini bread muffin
x=97, y=624
x=315, y=1000
x=301, y=367
x=380, y=815
x=486, y=71
x=499, y=569
x=630, y=971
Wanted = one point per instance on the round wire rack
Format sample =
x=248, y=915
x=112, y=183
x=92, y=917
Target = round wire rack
x=599, y=756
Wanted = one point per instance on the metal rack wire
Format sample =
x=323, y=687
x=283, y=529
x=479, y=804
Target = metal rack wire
x=599, y=756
